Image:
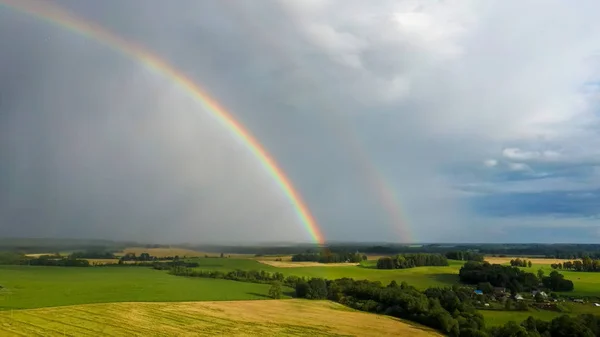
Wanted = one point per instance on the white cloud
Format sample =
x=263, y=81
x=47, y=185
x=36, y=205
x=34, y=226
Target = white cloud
x=518, y=167
x=490, y=162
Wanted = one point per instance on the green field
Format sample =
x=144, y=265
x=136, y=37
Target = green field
x=421, y=277
x=34, y=287
x=498, y=317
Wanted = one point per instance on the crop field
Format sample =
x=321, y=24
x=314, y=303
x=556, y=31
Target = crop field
x=240, y=318
x=535, y=261
x=34, y=287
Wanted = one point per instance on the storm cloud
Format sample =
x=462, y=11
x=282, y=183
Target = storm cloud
x=479, y=116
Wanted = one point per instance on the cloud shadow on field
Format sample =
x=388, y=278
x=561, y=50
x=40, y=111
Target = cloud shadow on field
x=258, y=295
x=446, y=278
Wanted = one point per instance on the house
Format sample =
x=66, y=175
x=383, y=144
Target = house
x=535, y=292
x=597, y=304
x=499, y=291
x=578, y=300
x=478, y=292
x=518, y=297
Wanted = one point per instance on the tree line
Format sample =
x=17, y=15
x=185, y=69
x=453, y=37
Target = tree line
x=403, y=261
x=465, y=256
x=513, y=278
x=92, y=254
x=559, y=251
x=48, y=260
x=585, y=264
x=143, y=257
x=584, y=325
x=329, y=257
x=520, y=263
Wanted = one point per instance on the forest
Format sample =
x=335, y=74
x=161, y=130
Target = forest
x=403, y=261
x=327, y=256
x=464, y=256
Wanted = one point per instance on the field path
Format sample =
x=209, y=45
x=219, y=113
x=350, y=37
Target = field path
x=237, y=318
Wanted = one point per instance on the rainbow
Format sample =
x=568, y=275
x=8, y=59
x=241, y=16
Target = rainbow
x=66, y=20
x=374, y=176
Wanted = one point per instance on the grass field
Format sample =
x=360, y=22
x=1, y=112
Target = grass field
x=289, y=264
x=240, y=318
x=496, y=317
x=422, y=277
x=34, y=287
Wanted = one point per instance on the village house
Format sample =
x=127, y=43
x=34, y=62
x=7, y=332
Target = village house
x=499, y=291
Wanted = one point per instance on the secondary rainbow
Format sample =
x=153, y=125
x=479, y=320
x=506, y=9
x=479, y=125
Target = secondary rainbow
x=66, y=20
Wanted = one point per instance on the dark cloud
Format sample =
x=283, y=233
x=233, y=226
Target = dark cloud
x=428, y=96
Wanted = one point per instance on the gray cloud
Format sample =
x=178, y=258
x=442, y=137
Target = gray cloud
x=430, y=94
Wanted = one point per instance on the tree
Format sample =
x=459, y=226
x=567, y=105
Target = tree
x=540, y=274
x=317, y=289
x=511, y=329
x=385, y=263
x=508, y=304
x=275, y=290
x=486, y=287
x=529, y=263
x=302, y=289
x=529, y=324
x=222, y=255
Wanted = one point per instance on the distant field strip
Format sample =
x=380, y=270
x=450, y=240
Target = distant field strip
x=289, y=264
x=542, y=261
x=239, y=318
x=181, y=252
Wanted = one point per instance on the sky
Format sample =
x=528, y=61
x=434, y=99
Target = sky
x=479, y=117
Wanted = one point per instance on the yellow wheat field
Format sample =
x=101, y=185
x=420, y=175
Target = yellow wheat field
x=535, y=261
x=239, y=318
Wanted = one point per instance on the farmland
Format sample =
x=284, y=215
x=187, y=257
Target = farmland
x=34, y=287
x=240, y=318
x=67, y=294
